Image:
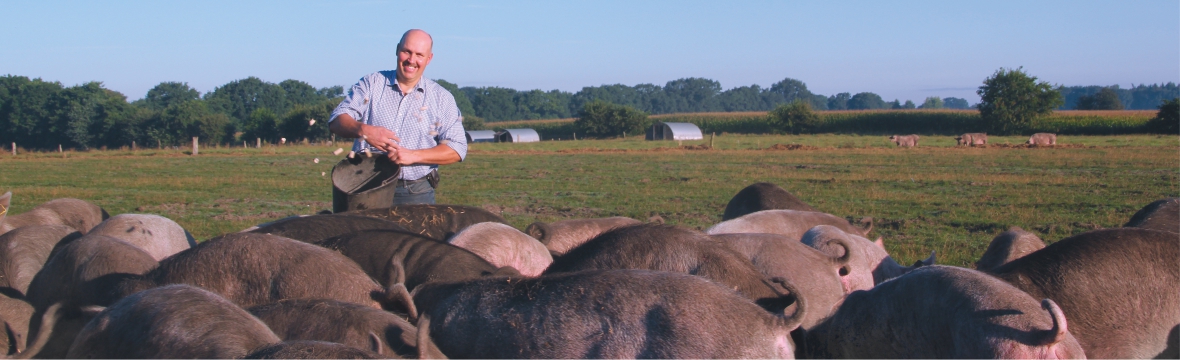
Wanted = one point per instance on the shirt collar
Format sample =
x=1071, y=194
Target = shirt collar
x=421, y=86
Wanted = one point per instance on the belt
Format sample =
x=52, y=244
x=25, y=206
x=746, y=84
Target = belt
x=403, y=183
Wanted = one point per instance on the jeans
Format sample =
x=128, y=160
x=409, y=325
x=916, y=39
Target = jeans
x=414, y=193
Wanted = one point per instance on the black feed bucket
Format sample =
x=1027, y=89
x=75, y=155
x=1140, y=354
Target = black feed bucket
x=363, y=183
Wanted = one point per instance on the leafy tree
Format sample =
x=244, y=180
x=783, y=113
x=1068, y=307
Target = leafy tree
x=794, y=118
x=25, y=112
x=298, y=92
x=955, y=103
x=693, y=94
x=788, y=90
x=839, y=101
x=866, y=101
x=1105, y=99
x=1011, y=99
x=932, y=102
x=240, y=98
x=1167, y=120
x=493, y=103
x=908, y=105
x=602, y=119
x=895, y=104
x=168, y=93
x=537, y=104
x=331, y=92
x=262, y=123
x=296, y=124
x=744, y=98
x=180, y=122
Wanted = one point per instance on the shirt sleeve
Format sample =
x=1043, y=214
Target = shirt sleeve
x=450, y=130
x=356, y=103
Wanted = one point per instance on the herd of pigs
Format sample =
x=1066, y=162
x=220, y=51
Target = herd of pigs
x=776, y=278
x=975, y=139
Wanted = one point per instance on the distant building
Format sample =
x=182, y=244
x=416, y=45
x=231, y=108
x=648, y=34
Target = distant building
x=674, y=131
x=518, y=135
x=479, y=136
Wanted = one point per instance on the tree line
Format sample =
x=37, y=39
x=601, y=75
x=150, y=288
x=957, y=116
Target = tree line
x=44, y=115
x=677, y=96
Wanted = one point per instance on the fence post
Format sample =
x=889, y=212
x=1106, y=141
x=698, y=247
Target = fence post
x=258, y=143
x=195, y=145
x=132, y=145
x=13, y=148
x=711, y=139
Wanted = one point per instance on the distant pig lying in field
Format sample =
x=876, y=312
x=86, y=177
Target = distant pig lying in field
x=972, y=139
x=904, y=140
x=943, y=312
x=763, y=196
x=78, y=214
x=1043, y=139
x=602, y=314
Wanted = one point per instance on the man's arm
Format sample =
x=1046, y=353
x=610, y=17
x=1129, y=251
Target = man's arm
x=379, y=137
x=438, y=155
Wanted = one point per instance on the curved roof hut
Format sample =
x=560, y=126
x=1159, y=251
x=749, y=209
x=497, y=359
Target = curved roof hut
x=674, y=131
x=478, y=136
x=518, y=135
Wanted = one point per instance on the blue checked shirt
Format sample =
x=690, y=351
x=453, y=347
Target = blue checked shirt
x=423, y=118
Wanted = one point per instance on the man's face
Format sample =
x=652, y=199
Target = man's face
x=413, y=56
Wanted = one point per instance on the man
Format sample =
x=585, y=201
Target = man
x=410, y=120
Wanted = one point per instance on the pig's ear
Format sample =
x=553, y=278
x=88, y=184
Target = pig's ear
x=396, y=298
x=880, y=242
x=375, y=344
x=930, y=260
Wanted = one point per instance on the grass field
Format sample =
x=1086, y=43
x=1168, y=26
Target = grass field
x=935, y=197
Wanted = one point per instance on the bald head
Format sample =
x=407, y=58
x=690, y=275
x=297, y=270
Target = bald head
x=414, y=35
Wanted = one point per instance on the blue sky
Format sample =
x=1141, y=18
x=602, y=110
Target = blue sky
x=905, y=50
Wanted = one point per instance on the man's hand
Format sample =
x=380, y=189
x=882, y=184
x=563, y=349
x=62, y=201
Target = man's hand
x=438, y=155
x=379, y=137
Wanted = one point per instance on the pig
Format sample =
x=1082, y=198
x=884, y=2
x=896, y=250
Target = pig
x=972, y=139
x=173, y=321
x=1163, y=214
x=75, y=213
x=79, y=273
x=791, y=223
x=15, y=315
x=395, y=257
x=562, y=236
x=818, y=277
x=943, y=312
x=437, y=222
x=23, y=252
x=601, y=314
x=350, y=324
x=674, y=249
x=904, y=140
x=253, y=269
x=1118, y=287
x=1043, y=139
x=763, y=196
x=1009, y=245
x=84, y=268
x=157, y=235
x=870, y=263
x=503, y=245
x=308, y=349
x=316, y=228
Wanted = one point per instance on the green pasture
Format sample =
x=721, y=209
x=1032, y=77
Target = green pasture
x=937, y=197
